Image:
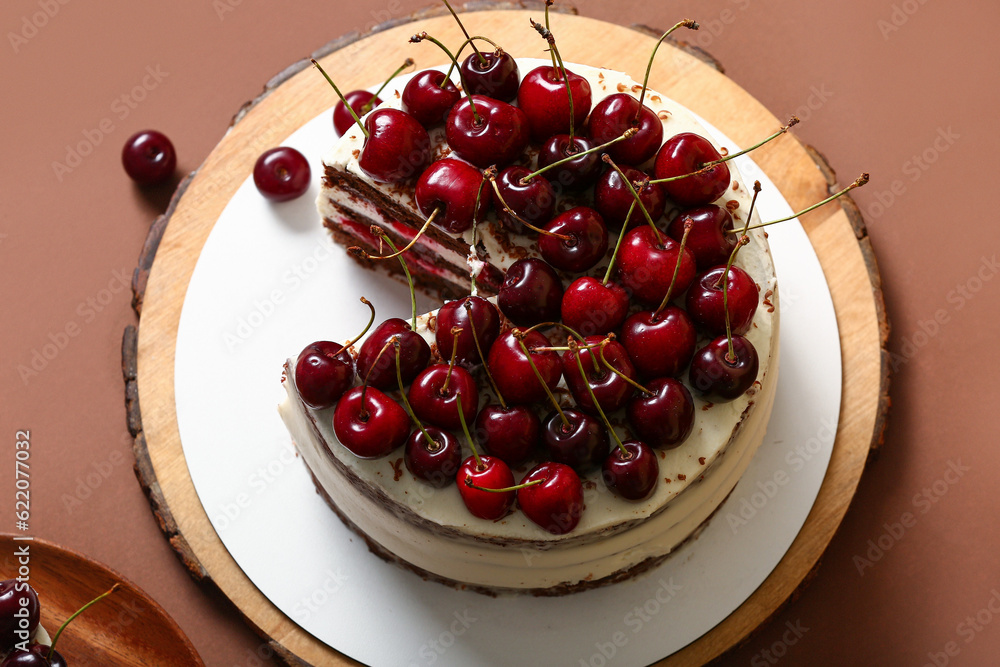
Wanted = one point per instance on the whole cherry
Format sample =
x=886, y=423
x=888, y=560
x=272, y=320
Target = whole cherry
x=281, y=174
x=380, y=369
x=706, y=302
x=720, y=374
x=516, y=371
x=552, y=497
x=575, y=438
x=577, y=239
x=531, y=200
x=611, y=390
x=511, y=433
x=360, y=101
x=437, y=392
x=531, y=293
x=149, y=157
x=618, y=112
x=710, y=241
x=474, y=316
x=664, y=417
x=576, y=168
x=590, y=306
x=486, y=131
x=369, y=423
x=435, y=461
x=455, y=187
x=647, y=261
x=484, y=483
x=429, y=96
x=688, y=153
x=16, y=596
x=631, y=470
x=614, y=201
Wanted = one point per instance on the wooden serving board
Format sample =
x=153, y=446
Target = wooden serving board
x=125, y=629
x=297, y=95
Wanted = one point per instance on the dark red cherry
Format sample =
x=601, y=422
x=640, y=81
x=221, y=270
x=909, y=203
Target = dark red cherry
x=556, y=504
x=611, y=390
x=511, y=434
x=659, y=344
x=646, y=265
x=592, y=307
x=581, y=442
x=414, y=353
x=613, y=199
x=358, y=99
x=579, y=172
x=436, y=404
x=542, y=96
x=454, y=187
x=664, y=418
x=687, y=153
x=487, y=473
x=497, y=77
x=632, y=474
x=435, y=462
x=534, y=200
x=531, y=293
x=513, y=374
x=708, y=239
x=717, y=377
x=705, y=301
x=427, y=100
x=16, y=596
x=281, y=174
x=619, y=112
x=397, y=147
x=372, y=430
x=149, y=157
x=483, y=316
x=22, y=658
x=43, y=650
x=323, y=372
x=498, y=137
x=586, y=245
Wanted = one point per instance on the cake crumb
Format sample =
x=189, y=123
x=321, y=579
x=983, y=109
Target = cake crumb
x=707, y=406
x=736, y=185
x=622, y=87
x=767, y=301
x=723, y=151
x=701, y=460
x=655, y=98
x=667, y=480
x=732, y=205
x=356, y=153
x=681, y=477
x=636, y=88
x=663, y=114
x=397, y=469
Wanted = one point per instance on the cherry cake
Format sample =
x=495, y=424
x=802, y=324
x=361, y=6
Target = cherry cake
x=570, y=348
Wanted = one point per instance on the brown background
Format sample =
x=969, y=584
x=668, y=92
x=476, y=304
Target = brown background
x=882, y=83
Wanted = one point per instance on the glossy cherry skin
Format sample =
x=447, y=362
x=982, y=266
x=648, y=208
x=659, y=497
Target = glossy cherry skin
x=373, y=432
x=617, y=113
x=281, y=174
x=397, y=147
x=511, y=434
x=579, y=172
x=687, y=153
x=434, y=404
x=358, y=99
x=427, y=100
x=533, y=201
x=708, y=239
x=20, y=658
x=646, y=265
x=665, y=418
x=586, y=245
x=481, y=316
x=611, y=390
x=512, y=373
x=705, y=301
x=582, y=444
x=543, y=98
x=556, y=504
x=414, y=353
x=488, y=472
x=592, y=307
x=497, y=138
x=659, y=345
x=613, y=199
x=13, y=595
x=719, y=379
x=498, y=77
x=323, y=372
x=436, y=463
x=531, y=293
x=149, y=157
x=632, y=475
x=454, y=187
x=42, y=651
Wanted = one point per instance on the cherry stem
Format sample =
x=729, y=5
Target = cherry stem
x=465, y=429
x=627, y=134
x=506, y=489
x=572, y=332
x=79, y=611
x=600, y=352
x=730, y=354
x=593, y=397
x=724, y=278
x=618, y=244
x=383, y=236
x=686, y=23
x=413, y=241
x=688, y=224
x=465, y=32
x=421, y=36
x=473, y=252
x=635, y=195
x=340, y=95
x=475, y=338
x=538, y=375
x=371, y=103
x=548, y=3
x=364, y=385
x=548, y=36
x=371, y=320
x=491, y=177
x=862, y=180
x=455, y=333
x=406, y=401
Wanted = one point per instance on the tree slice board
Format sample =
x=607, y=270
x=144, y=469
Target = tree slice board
x=295, y=96
x=125, y=629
